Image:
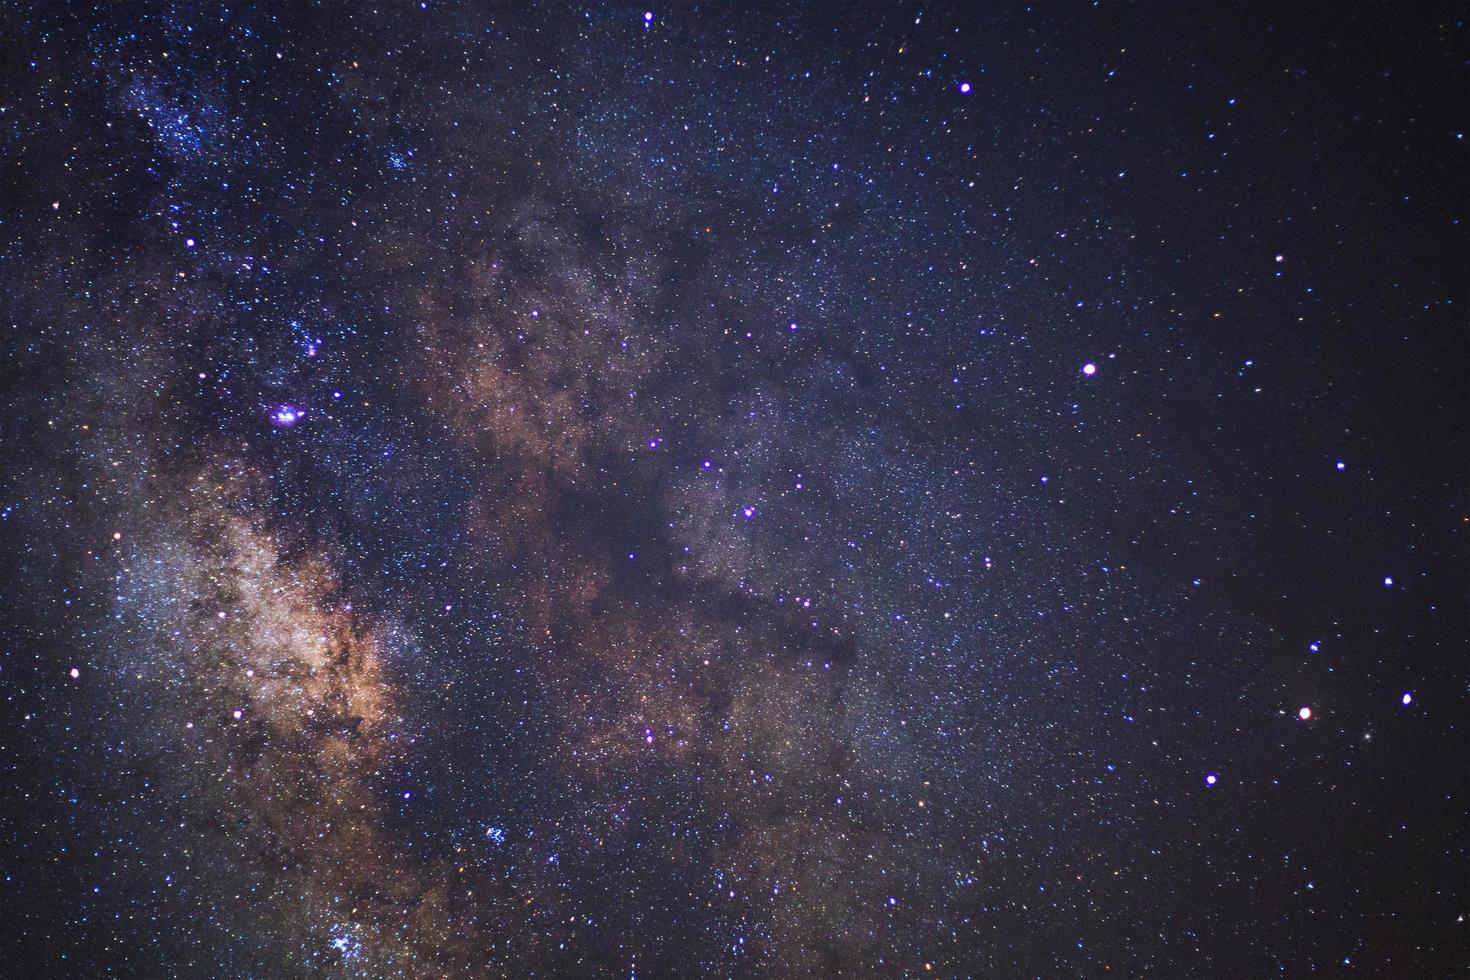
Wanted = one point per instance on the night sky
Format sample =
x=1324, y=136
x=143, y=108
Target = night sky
x=846, y=490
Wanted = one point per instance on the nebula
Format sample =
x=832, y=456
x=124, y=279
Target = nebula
x=844, y=491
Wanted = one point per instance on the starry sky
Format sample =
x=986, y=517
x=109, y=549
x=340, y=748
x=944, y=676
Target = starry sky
x=749, y=490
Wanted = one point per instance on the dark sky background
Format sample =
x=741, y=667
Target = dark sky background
x=736, y=490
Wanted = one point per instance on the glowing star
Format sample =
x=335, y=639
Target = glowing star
x=1387, y=581
x=964, y=88
x=1211, y=778
x=75, y=673
x=1407, y=699
x=1341, y=465
x=237, y=714
x=1314, y=646
x=286, y=416
x=1304, y=713
x=1089, y=369
x=747, y=512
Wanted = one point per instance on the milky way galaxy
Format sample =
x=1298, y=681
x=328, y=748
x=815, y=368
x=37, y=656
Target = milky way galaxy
x=834, y=490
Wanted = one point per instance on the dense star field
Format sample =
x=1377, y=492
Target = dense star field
x=738, y=490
